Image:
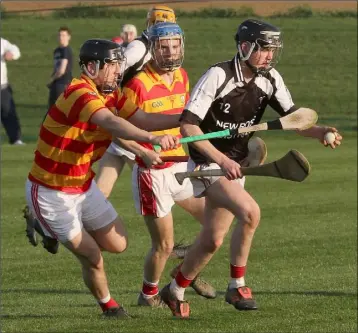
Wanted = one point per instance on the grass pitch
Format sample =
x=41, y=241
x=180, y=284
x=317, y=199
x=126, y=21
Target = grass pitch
x=303, y=263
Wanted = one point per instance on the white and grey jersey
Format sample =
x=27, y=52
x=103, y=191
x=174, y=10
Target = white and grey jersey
x=223, y=100
x=137, y=55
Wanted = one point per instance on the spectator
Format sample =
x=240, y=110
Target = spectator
x=9, y=116
x=128, y=33
x=62, y=71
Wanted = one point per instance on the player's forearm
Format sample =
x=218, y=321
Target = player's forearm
x=121, y=128
x=57, y=75
x=130, y=145
x=312, y=132
x=155, y=122
x=204, y=147
x=163, y=121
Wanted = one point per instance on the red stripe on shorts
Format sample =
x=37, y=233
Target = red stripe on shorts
x=148, y=204
x=34, y=198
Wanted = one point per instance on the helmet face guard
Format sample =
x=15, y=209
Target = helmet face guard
x=164, y=60
x=166, y=44
x=272, y=43
x=115, y=55
x=260, y=37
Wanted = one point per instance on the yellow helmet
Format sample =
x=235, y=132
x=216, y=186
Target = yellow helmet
x=160, y=13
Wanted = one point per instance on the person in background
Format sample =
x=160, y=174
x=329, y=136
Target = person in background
x=9, y=116
x=62, y=70
x=128, y=33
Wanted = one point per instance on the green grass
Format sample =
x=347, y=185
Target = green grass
x=302, y=267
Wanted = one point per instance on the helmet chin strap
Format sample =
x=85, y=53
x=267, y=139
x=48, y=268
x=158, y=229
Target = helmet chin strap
x=91, y=76
x=104, y=88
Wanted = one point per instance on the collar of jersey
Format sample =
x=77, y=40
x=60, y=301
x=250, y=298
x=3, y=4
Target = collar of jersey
x=90, y=82
x=157, y=79
x=236, y=67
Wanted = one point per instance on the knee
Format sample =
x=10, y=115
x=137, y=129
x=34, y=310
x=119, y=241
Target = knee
x=212, y=243
x=94, y=261
x=251, y=215
x=118, y=247
x=163, y=249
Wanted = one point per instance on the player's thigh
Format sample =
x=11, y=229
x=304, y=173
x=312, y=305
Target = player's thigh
x=161, y=230
x=183, y=194
x=59, y=213
x=102, y=221
x=109, y=169
x=232, y=196
x=151, y=192
x=194, y=206
x=112, y=237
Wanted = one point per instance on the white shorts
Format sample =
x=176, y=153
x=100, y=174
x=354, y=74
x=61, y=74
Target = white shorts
x=63, y=215
x=201, y=184
x=155, y=191
x=114, y=149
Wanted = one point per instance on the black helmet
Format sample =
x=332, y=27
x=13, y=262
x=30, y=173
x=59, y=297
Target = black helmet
x=101, y=50
x=258, y=34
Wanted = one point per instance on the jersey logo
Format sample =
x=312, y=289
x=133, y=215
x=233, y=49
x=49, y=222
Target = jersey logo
x=92, y=93
x=182, y=99
x=172, y=100
x=157, y=104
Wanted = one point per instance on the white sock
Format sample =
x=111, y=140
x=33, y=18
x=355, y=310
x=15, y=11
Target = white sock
x=176, y=290
x=237, y=283
x=105, y=300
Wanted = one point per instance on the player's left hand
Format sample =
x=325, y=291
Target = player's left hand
x=150, y=158
x=325, y=129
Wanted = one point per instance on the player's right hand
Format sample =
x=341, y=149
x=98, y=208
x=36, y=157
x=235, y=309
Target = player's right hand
x=150, y=158
x=232, y=170
x=167, y=142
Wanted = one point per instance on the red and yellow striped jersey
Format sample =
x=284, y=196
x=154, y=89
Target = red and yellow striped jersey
x=68, y=143
x=153, y=95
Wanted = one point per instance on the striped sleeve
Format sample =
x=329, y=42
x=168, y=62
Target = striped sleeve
x=82, y=104
x=126, y=108
x=133, y=91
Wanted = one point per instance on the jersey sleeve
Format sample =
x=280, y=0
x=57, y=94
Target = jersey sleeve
x=281, y=100
x=187, y=86
x=84, y=104
x=203, y=95
x=8, y=47
x=133, y=91
x=125, y=105
x=66, y=54
x=134, y=52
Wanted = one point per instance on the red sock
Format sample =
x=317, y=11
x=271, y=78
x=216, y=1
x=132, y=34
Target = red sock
x=150, y=289
x=237, y=271
x=110, y=304
x=181, y=280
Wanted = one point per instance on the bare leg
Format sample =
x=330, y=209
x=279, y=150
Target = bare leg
x=110, y=168
x=85, y=248
x=162, y=234
x=225, y=199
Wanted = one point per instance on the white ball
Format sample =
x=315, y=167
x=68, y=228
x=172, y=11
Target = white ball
x=330, y=137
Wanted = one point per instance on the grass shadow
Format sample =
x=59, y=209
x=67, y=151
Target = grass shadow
x=304, y=293
x=45, y=291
